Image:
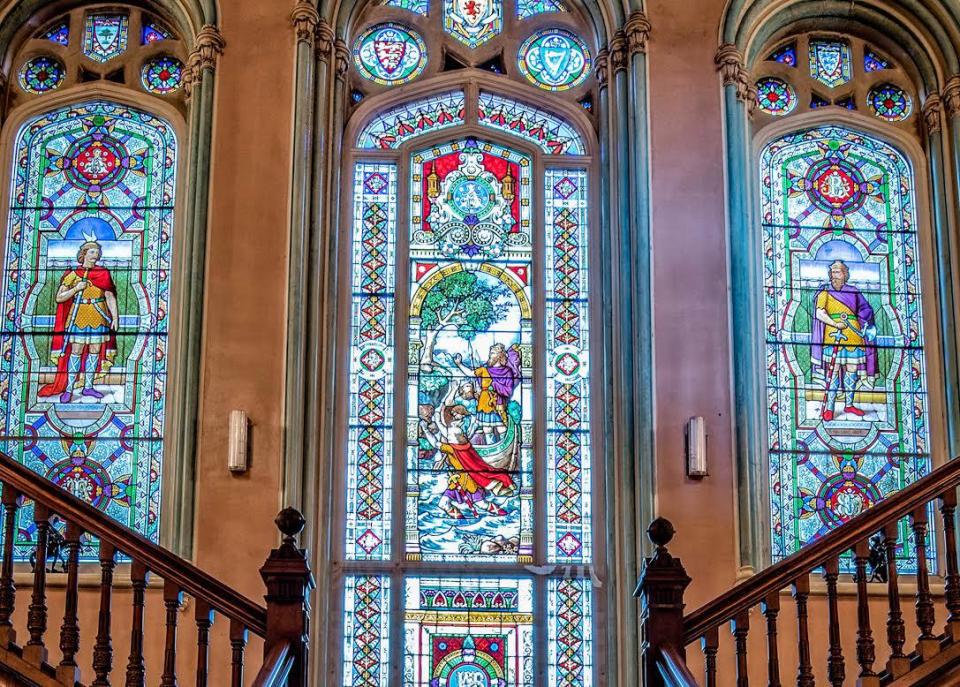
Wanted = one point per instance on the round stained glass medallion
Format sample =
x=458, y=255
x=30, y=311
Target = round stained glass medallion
x=775, y=96
x=390, y=54
x=41, y=74
x=162, y=75
x=890, y=102
x=554, y=59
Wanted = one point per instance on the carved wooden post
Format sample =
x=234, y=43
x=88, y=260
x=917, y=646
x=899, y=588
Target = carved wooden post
x=662, y=583
x=289, y=582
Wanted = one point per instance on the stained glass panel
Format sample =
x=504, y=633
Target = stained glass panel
x=570, y=633
x=473, y=22
x=569, y=517
x=105, y=36
x=775, y=96
x=470, y=406
x=872, y=62
x=390, y=54
x=59, y=34
x=468, y=632
x=550, y=133
x=531, y=8
x=370, y=452
x=162, y=75
x=87, y=292
x=415, y=6
x=391, y=128
x=890, y=103
x=41, y=74
x=554, y=59
x=153, y=32
x=366, y=631
x=786, y=54
x=830, y=62
x=846, y=383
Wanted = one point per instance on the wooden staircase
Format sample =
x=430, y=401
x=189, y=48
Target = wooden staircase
x=933, y=658
x=281, y=625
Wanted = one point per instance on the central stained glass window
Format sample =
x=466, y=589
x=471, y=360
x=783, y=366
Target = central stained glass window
x=848, y=414
x=475, y=306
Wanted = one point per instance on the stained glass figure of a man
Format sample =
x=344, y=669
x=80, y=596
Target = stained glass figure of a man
x=843, y=341
x=84, y=342
x=498, y=379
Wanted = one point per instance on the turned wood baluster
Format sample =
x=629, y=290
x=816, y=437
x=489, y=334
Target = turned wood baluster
x=68, y=673
x=835, y=665
x=741, y=627
x=948, y=508
x=103, y=649
x=238, y=640
x=771, y=609
x=897, y=664
x=136, y=670
x=204, y=617
x=866, y=651
x=172, y=597
x=12, y=500
x=801, y=591
x=926, y=617
x=35, y=651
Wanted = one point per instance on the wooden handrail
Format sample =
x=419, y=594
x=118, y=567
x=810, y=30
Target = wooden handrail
x=277, y=666
x=674, y=671
x=778, y=576
x=172, y=568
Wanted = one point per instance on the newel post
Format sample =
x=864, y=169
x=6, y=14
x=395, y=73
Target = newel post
x=660, y=590
x=289, y=583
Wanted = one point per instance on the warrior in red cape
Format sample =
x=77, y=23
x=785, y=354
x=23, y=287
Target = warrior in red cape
x=84, y=338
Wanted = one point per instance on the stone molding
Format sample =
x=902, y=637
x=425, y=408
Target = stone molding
x=324, y=37
x=932, y=114
x=341, y=56
x=305, y=19
x=618, y=52
x=729, y=61
x=637, y=31
x=602, y=67
x=208, y=46
x=951, y=96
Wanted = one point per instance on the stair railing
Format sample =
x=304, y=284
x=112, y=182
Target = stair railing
x=666, y=632
x=282, y=624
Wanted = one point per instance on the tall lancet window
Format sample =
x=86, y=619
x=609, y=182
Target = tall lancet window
x=469, y=463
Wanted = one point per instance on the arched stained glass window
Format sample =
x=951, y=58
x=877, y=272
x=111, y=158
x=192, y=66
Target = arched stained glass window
x=86, y=294
x=846, y=371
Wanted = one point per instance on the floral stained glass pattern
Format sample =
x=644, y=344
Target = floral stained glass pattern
x=848, y=411
x=370, y=422
x=890, y=103
x=569, y=518
x=366, y=632
x=420, y=7
x=59, y=34
x=162, y=75
x=86, y=295
x=153, y=32
x=551, y=134
x=468, y=632
x=105, y=36
x=831, y=62
x=531, y=8
x=775, y=96
x=570, y=629
x=390, y=54
x=391, y=128
x=872, y=62
x=41, y=74
x=473, y=22
x=554, y=59
x=470, y=415
x=785, y=55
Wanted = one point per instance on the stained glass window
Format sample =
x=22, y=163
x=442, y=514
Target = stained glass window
x=366, y=631
x=554, y=59
x=390, y=54
x=830, y=62
x=87, y=292
x=785, y=55
x=415, y=6
x=872, y=62
x=890, y=102
x=818, y=101
x=570, y=662
x=550, y=133
x=59, y=33
x=41, y=74
x=775, y=96
x=105, y=36
x=162, y=75
x=473, y=22
x=846, y=383
x=531, y=8
x=153, y=32
x=849, y=102
x=391, y=128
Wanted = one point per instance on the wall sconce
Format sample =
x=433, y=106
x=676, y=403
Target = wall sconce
x=696, y=448
x=238, y=441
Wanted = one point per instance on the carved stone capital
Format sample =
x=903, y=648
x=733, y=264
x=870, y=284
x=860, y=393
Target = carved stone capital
x=325, y=37
x=951, y=96
x=341, y=56
x=618, y=52
x=207, y=47
x=305, y=19
x=932, y=113
x=637, y=30
x=602, y=67
x=729, y=61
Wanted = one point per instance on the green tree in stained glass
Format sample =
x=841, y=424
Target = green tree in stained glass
x=105, y=36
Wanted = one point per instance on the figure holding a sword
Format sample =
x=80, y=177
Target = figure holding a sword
x=84, y=341
x=843, y=341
